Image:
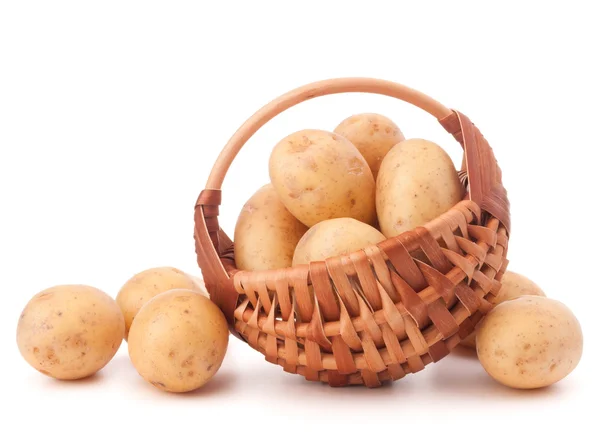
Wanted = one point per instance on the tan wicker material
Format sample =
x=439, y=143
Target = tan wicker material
x=380, y=313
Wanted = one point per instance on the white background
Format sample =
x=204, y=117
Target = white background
x=112, y=114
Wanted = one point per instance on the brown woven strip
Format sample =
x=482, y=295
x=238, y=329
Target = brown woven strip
x=403, y=263
x=209, y=198
x=467, y=297
x=271, y=349
x=467, y=265
x=343, y=285
x=451, y=124
x=416, y=337
x=217, y=281
x=393, y=316
x=291, y=346
x=253, y=321
x=347, y=331
x=432, y=251
x=442, y=319
x=483, y=234
x=440, y=282
x=382, y=272
x=438, y=351
x=451, y=219
x=302, y=295
x=343, y=356
x=313, y=355
x=282, y=291
x=269, y=326
x=311, y=374
x=323, y=290
x=370, y=378
x=411, y=301
x=485, y=177
x=366, y=278
x=315, y=332
x=336, y=379
x=371, y=353
x=395, y=372
x=263, y=294
x=392, y=345
x=466, y=328
x=370, y=325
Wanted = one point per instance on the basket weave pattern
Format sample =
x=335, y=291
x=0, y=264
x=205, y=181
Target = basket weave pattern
x=380, y=313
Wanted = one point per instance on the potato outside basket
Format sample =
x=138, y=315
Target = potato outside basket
x=380, y=313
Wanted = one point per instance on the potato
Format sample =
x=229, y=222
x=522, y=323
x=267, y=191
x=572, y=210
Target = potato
x=199, y=282
x=373, y=134
x=514, y=285
x=140, y=288
x=69, y=332
x=266, y=233
x=178, y=340
x=320, y=175
x=417, y=182
x=530, y=342
x=335, y=237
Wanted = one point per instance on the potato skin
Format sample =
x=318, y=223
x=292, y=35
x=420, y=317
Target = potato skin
x=514, y=285
x=320, y=175
x=529, y=342
x=417, y=182
x=70, y=332
x=266, y=233
x=335, y=237
x=142, y=287
x=373, y=134
x=178, y=340
x=199, y=282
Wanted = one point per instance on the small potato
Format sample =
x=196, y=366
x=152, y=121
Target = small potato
x=373, y=134
x=178, y=340
x=69, y=332
x=140, y=288
x=266, y=233
x=320, y=175
x=335, y=237
x=417, y=182
x=530, y=342
x=514, y=285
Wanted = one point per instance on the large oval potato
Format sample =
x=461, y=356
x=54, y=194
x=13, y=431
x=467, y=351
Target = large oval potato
x=266, y=233
x=529, y=342
x=514, y=285
x=178, y=340
x=320, y=175
x=417, y=182
x=334, y=237
x=70, y=332
x=373, y=134
x=142, y=287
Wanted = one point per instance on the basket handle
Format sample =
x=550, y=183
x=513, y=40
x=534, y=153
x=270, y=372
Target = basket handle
x=215, y=249
x=322, y=88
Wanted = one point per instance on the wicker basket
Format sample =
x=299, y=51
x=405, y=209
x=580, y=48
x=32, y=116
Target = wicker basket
x=387, y=310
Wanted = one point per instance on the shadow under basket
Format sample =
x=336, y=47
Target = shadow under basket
x=380, y=313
